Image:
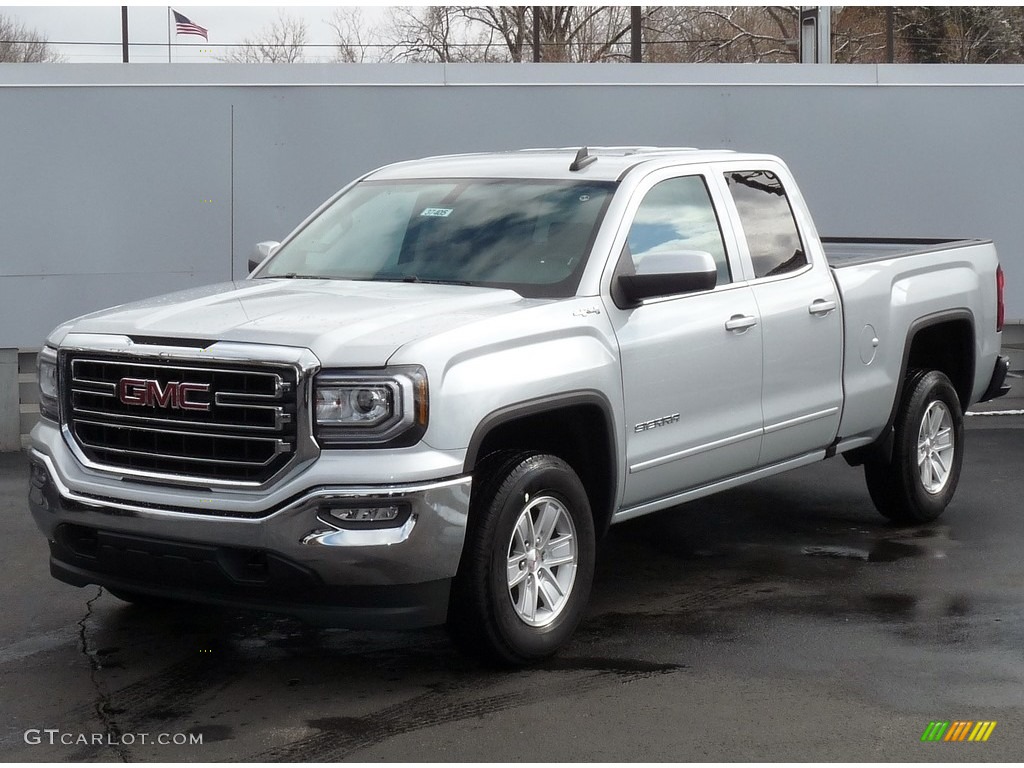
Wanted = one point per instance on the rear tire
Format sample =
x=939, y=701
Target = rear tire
x=919, y=481
x=528, y=561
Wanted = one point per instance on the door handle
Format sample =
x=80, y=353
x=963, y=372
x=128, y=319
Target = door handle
x=740, y=323
x=821, y=307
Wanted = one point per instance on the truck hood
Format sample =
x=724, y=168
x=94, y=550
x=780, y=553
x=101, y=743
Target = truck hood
x=342, y=322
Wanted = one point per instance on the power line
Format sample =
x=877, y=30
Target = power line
x=414, y=43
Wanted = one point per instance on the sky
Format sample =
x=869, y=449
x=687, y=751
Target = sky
x=149, y=24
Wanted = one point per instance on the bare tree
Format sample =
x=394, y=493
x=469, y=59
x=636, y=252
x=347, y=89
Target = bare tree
x=760, y=34
x=858, y=34
x=433, y=33
x=20, y=44
x=603, y=34
x=766, y=34
x=722, y=34
x=505, y=33
x=961, y=34
x=507, y=25
x=578, y=33
x=280, y=42
x=356, y=41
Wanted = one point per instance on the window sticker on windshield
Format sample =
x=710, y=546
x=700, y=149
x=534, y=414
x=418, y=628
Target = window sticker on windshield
x=438, y=212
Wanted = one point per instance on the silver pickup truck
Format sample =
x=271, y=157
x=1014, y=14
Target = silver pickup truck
x=432, y=399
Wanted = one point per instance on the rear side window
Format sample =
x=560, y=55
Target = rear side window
x=767, y=219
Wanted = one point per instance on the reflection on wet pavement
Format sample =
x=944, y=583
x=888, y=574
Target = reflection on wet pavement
x=793, y=582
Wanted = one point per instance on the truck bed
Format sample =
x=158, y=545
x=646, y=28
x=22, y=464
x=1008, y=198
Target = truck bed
x=848, y=251
x=887, y=285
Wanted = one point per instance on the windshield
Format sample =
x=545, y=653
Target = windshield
x=530, y=236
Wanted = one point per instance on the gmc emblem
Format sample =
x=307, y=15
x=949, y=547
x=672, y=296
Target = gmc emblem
x=173, y=394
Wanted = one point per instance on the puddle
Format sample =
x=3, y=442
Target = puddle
x=958, y=606
x=680, y=623
x=885, y=551
x=614, y=665
x=890, y=605
x=888, y=551
x=846, y=553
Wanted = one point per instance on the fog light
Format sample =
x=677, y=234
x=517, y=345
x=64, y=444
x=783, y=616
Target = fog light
x=385, y=516
x=365, y=514
x=38, y=476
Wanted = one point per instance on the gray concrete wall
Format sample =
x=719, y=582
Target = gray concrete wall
x=10, y=425
x=125, y=181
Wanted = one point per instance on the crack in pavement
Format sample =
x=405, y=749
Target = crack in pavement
x=102, y=705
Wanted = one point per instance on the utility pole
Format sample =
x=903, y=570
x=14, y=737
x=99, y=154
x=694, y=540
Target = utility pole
x=636, y=41
x=124, y=34
x=815, y=34
x=890, y=34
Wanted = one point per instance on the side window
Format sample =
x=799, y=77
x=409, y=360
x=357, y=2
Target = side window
x=677, y=214
x=768, y=222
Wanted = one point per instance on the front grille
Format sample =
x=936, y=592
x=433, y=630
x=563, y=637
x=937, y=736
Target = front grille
x=228, y=423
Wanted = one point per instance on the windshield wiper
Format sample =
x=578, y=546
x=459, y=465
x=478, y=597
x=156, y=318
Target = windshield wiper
x=297, y=276
x=415, y=279
x=395, y=279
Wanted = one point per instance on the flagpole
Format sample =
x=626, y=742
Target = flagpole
x=168, y=34
x=124, y=34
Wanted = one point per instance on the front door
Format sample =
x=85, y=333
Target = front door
x=691, y=363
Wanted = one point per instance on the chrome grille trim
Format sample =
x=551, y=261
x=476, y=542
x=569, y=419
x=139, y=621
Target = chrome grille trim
x=188, y=459
x=247, y=439
x=280, y=446
x=281, y=418
x=280, y=385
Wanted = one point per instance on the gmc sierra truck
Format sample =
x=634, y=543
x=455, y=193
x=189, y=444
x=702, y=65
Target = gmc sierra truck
x=428, y=403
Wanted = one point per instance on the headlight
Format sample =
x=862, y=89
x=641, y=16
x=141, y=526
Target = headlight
x=355, y=405
x=387, y=407
x=46, y=365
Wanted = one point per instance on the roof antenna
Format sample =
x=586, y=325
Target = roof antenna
x=583, y=159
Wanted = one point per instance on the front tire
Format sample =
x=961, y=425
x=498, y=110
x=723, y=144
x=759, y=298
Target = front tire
x=528, y=562
x=919, y=481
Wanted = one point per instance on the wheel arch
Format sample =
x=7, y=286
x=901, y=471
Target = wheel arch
x=576, y=426
x=943, y=341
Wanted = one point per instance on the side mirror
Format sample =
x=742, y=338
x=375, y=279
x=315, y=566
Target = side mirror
x=667, y=273
x=261, y=252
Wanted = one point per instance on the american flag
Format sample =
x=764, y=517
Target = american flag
x=187, y=27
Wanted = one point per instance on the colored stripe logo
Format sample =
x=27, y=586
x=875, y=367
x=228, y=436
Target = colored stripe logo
x=958, y=730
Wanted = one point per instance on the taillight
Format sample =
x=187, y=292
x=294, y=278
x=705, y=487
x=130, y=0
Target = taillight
x=1000, y=304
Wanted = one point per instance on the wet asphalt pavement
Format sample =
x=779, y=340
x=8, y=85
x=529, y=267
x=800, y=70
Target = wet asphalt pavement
x=785, y=620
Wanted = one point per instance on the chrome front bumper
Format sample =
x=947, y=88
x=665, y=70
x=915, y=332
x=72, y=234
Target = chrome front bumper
x=289, y=558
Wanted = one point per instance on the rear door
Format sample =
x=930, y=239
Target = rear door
x=691, y=363
x=798, y=303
